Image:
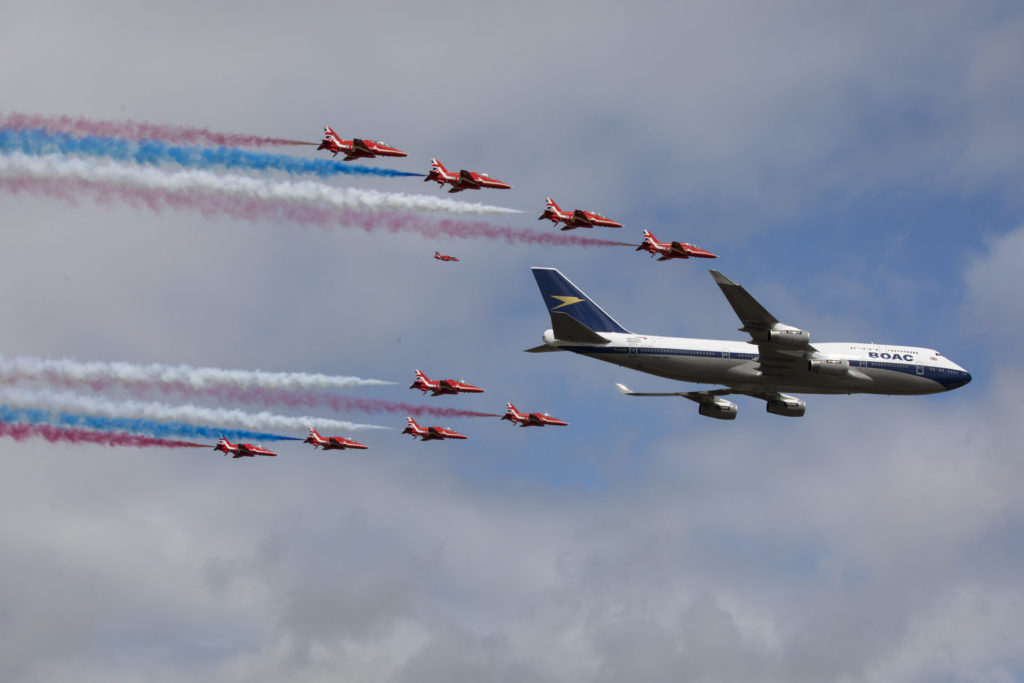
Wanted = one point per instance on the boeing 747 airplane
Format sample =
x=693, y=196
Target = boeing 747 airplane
x=778, y=358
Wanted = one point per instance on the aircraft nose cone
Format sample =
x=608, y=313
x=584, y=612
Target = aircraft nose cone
x=959, y=382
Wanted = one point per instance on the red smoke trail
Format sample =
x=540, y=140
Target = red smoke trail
x=235, y=395
x=139, y=130
x=20, y=432
x=255, y=209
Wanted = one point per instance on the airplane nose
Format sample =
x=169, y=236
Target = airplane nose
x=959, y=382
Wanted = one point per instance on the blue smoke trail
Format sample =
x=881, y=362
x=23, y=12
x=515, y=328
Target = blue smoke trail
x=160, y=430
x=36, y=141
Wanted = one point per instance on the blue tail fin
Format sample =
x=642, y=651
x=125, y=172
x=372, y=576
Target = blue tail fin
x=562, y=296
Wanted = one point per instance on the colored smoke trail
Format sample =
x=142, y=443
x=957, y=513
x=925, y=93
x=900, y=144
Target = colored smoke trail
x=340, y=404
x=139, y=130
x=181, y=378
x=152, y=152
x=68, y=170
x=234, y=387
x=20, y=432
x=161, y=430
x=262, y=210
x=70, y=402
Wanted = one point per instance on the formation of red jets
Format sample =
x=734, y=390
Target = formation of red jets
x=357, y=148
x=436, y=387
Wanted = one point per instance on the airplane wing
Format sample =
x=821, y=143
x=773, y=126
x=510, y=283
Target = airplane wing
x=677, y=248
x=580, y=217
x=780, y=347
x=435, y=433
x=697, y=396
x=467, y=178
x=361, y=146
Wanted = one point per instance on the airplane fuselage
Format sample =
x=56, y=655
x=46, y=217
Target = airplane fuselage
x=869, y=368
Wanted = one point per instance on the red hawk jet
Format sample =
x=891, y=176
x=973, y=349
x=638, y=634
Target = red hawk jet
x=531, y=419
x=356, y=148
x=331, y=443
x=667, y=250
x=577, y=218
x=431, y=433
x=444, y=257
x=241, y=450
x=443, y=386
x=463, y=180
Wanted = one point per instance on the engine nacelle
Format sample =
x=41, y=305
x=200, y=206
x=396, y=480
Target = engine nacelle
x=718, y=408
x=783, y=335
x=829, y=366
x=787, y=406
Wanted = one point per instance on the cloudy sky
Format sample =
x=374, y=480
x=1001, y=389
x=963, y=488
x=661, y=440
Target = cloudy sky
x=858, y=167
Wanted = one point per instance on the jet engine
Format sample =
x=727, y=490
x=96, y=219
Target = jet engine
x=829, y=366
x=718, y=408
x=787, y=406
x=782, y=335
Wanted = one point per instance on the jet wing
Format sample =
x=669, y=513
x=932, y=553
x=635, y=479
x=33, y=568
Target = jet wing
x=580, y=216
x=467, y=178
x=780, y=347
x=361, y=146
x=697, y=396
x=678, y=249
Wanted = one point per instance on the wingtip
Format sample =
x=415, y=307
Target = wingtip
x=719, y=278
x=623, y=388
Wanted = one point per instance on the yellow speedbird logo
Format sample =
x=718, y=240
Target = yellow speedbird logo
x=566, y=300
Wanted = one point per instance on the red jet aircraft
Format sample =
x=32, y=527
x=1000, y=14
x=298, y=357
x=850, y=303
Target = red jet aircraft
x=443, y=386
x=531, y=419
x=331, y=443
x=241, y=450
x=431, y=433
x=356, y=148
x=577, y=218
x=667, y=250
x=463, y=180
x=444, y=257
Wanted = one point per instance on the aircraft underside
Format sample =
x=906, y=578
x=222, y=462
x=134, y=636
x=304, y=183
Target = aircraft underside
x=742, y=374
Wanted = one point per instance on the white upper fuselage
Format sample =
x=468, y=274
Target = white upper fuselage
x=873, y=368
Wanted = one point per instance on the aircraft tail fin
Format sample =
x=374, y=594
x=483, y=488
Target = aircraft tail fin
x=572, y=312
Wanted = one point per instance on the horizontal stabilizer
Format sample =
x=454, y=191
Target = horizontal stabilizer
x=543, y=348
x=567, y=328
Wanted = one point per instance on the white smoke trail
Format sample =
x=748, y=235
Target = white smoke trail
x=264, y=421
x=54, y=166
x=199, y=379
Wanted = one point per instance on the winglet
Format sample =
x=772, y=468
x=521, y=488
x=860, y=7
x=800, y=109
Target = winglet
x=624, y=389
